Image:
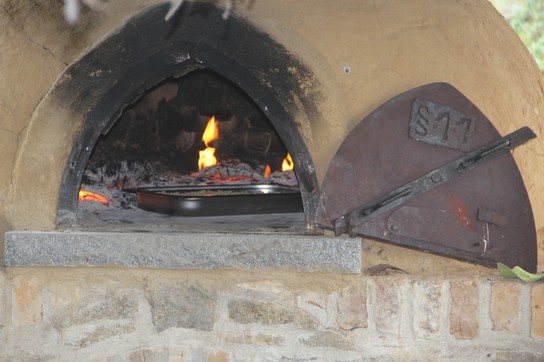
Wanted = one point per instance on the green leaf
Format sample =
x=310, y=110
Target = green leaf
x=518, y=272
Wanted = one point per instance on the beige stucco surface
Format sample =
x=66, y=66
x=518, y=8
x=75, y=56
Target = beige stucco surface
x=389, y=46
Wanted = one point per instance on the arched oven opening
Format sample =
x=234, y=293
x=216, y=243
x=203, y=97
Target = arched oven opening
x=194, y=146
x=146, y=98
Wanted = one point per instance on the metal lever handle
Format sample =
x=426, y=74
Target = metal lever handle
x=385, y=201
x=437, y=177
x=471, y=161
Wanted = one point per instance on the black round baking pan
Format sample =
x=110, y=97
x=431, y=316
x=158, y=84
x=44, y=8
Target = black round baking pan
x=220, y=200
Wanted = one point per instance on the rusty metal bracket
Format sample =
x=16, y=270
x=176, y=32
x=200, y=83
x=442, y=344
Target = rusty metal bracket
x=435, y=178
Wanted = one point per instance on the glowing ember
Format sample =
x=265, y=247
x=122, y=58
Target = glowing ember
x=211, y=133
x=267, y=171
x=91, y=196
x=287, y=163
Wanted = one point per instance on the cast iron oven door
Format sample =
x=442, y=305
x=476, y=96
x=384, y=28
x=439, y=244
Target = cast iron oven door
x=428, y=170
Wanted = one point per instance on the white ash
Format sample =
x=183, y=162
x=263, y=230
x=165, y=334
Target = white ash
x=283, y=178
x=117, y=199
x=122, y=175
x=233, y=169
x=117, y=181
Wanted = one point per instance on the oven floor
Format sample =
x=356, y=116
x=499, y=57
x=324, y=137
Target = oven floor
x=136, y=220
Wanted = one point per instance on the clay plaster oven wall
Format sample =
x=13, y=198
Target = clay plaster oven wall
x=361, y=52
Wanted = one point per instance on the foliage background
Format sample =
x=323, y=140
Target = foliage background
x=527, y=19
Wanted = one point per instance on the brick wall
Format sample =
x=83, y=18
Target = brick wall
x=150, y=315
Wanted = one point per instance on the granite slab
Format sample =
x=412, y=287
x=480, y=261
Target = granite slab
x=189, y=250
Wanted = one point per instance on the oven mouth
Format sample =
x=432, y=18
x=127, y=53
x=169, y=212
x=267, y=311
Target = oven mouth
x=191, y=146
x=103, y=85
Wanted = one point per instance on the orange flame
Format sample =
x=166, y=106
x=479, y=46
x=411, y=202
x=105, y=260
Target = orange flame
x=287, y=163
x=91, y=196
x=211, y=133
x=267, y=171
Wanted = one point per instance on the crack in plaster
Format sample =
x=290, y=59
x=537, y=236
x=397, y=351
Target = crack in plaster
x=18, y=135
x=47, y=50
x=9, y=131
x=7, y=107
x=11, y=190
x=532, y=148
x=541, y=86
x=29, y=38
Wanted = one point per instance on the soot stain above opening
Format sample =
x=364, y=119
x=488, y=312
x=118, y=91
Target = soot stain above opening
x=131, y=62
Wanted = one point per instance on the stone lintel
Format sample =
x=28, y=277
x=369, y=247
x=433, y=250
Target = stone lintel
x=183, y=251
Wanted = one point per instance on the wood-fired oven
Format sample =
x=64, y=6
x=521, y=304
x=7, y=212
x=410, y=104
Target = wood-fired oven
x=132, y=110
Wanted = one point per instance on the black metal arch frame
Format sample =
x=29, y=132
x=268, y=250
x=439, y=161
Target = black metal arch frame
x=148, y=49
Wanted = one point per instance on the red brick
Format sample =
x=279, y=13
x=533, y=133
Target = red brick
x=387, y=306
x=506, y=307
x=27, y=306
x=464, y=310
x=3, y=286
x=144, y=355
x=218, y=357
x=537, y=311
x=352, y=311
x=140, y=355
x=427, y=302
x=177, y=358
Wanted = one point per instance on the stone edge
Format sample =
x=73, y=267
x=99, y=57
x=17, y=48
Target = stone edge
x=182, y=251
